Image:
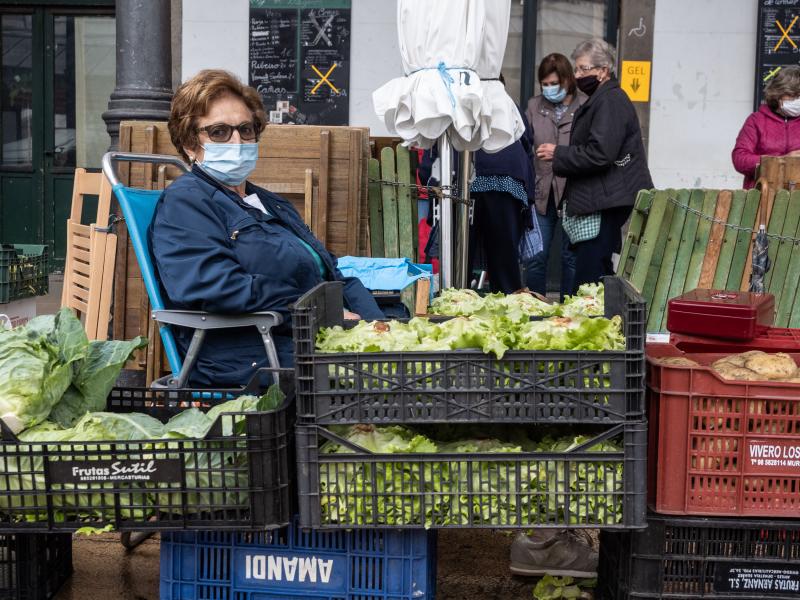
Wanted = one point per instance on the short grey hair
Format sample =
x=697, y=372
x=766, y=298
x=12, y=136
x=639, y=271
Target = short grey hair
x=600, y=52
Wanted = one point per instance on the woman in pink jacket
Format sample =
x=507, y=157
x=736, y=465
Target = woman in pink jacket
x=773, y=130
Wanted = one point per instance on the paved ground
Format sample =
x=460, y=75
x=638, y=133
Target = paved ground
x=52, y=302
x=473, y=565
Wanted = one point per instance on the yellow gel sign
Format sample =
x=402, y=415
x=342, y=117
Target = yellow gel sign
x=635, y=79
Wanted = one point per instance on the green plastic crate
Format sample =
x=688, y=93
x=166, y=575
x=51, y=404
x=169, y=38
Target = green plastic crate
x=23, y=271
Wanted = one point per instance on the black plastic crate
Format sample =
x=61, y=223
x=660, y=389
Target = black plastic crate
x=225, y=481
x=468, y=385
x=360, y=489
x=33, y=566
x=691, y=557
x=23, y=271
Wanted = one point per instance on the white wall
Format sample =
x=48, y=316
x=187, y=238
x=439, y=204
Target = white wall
x=375, y=58
x=702, y=90
x=215, y=35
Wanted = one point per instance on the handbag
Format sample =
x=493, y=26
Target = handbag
x=580, y=228
x=530, y=244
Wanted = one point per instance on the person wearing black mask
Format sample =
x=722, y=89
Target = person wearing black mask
x=604, y=164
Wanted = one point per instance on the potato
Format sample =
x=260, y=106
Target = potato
x=778, y=366
x=677, y=361
x=739, y=360
x=730, y=371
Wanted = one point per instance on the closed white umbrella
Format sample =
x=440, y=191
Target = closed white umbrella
x=447, y=48
x=501, y=122
x=452, y=52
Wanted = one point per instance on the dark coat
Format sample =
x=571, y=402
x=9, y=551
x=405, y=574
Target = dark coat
x=215, y=253
x=605, y=163
x=515, y=160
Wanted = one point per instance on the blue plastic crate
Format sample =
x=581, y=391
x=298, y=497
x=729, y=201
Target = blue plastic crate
x=289, y=563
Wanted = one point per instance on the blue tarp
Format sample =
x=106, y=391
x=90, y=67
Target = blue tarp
x=386, y=274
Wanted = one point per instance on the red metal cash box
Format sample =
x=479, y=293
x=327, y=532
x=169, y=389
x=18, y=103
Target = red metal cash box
x=721, y=314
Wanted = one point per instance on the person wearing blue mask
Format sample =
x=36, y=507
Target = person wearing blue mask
x=550, y=115
x=224, y=245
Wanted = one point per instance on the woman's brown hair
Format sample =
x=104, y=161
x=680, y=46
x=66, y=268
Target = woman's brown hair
x=560, y=65
x=194, y=97
x=785, y=83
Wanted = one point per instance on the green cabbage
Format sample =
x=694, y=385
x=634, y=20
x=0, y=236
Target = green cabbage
x=213, y=469
x=48, y=368
x=36, y=367
x=94, y=377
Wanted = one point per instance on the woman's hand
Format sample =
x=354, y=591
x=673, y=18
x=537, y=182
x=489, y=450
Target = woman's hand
x=545, y=151
x=794, y=153
x=351, y=316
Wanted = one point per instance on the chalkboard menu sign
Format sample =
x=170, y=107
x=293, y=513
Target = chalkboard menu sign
x=778, y=40
x=300, y=59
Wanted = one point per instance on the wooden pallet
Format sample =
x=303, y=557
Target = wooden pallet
x=393, y=216
x=670, y=249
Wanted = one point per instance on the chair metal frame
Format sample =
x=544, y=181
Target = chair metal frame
x=199, y=321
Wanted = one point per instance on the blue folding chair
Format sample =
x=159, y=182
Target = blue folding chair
x=138, y=207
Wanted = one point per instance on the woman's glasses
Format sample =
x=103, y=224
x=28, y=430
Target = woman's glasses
x=585, y=68
x=222, y=132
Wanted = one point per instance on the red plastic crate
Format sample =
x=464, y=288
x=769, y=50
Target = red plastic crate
x=721, y=447
x=774, y=339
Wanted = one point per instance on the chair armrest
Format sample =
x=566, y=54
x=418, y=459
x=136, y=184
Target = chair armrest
x=202, y=321
x=197, y=319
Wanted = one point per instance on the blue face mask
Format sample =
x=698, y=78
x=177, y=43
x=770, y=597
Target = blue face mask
x=229, y=163
x=554, y=93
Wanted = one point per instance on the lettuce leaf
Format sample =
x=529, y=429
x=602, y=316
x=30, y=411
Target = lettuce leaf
x=464, y=492
x=572, y=333
x=587, y=302
x=557, y=588
x=456, y=303
x=493, y=324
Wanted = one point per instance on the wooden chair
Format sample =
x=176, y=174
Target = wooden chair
x=91, y=254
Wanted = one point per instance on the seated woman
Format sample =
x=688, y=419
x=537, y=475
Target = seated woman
x=223, y=245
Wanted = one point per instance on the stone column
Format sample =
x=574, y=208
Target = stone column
x=144, y=65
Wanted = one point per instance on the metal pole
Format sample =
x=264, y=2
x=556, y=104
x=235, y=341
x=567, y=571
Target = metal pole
x=461, y=278
x=446, y=215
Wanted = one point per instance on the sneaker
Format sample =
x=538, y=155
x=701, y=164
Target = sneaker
x=566, y=553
